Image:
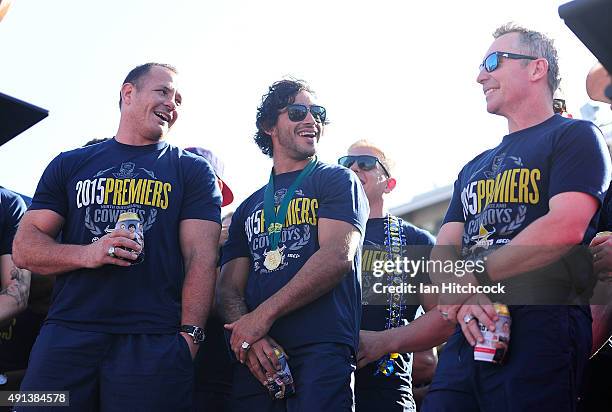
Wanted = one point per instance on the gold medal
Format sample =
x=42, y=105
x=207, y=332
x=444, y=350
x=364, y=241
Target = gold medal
x=273, y=259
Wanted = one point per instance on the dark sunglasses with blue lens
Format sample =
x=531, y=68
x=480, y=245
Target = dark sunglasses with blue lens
x=491, y=62
x=364, y=162
x=298, y=112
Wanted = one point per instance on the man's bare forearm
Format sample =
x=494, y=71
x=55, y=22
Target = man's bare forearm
x=547, y=238
x=40, y=253
x=541, y=243
x=198, y=291
x=424, y=333
x=199, y=286
x=231, y=306
x=198, y=240
x=230, y=302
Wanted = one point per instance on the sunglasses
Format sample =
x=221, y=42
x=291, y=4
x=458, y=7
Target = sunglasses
x=298, y=112
x=491, y=62
x=364, y=162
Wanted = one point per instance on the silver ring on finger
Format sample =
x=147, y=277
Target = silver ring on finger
x=245, y=346
x=468, y=318
x=444, y=314
x=111, y=251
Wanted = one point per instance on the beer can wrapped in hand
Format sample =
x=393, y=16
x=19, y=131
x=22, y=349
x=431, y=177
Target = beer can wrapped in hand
x=495, y=344
x=131, y=222
x=281, y=384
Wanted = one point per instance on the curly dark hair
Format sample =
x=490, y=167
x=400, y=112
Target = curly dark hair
x=280, y=94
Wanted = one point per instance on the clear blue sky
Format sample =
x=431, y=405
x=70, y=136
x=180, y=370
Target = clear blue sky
x=399, y=73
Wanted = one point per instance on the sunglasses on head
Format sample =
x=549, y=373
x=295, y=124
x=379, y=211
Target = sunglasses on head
x=364, y=162
x=298, y=112
x=491, y=62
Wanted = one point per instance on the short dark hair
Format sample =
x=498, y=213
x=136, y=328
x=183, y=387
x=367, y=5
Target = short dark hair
x=280, y=94
x=138, y=72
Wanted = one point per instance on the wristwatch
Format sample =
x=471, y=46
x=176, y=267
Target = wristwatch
x=196, y=332
x=482, y=276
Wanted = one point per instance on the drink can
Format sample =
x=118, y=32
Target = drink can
x=281, y=384
x=130, y=221
x=495, y=344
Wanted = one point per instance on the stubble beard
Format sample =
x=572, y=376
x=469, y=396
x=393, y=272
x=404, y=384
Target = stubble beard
x=295, y=150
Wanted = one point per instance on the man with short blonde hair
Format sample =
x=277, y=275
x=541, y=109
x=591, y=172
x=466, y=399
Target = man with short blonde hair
x=384, y=381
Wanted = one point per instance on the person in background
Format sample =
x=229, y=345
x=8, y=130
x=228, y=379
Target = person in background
x=382, y=383
x=14, y=291
x=14, y=281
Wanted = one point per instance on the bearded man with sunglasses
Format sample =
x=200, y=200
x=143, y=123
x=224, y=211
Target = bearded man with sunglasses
x=390, y=329
x=554, y=172
x=290, y=274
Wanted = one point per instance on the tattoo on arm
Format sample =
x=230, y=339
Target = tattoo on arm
x=18, y=288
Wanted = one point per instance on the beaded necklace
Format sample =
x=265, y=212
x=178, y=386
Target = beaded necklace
x=395, y=241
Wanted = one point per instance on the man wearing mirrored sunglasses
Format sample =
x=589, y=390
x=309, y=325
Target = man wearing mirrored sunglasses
x=384, y=382
x=523, y=205
x=290, y=266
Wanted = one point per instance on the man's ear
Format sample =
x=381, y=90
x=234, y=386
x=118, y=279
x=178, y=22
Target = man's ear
x=391, y=183
x=270, y=131
x=126, y=93
x=540, y=69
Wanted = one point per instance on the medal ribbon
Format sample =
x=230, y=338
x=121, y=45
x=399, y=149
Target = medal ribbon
x=274, y=221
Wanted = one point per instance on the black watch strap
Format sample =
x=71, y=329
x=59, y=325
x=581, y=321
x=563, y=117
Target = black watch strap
x=196, y=332
x=482, y=276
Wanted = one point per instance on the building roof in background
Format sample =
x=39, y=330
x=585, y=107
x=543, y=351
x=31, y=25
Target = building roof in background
x=424, y=200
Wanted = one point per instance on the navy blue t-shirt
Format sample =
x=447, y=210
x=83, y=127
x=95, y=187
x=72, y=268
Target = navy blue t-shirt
x=374, y=314
x=503, y=190
x=12, y=208
x=331, y=192
x=90, y=187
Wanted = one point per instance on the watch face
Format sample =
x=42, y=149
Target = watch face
x=198, y=334
x=195, y=332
